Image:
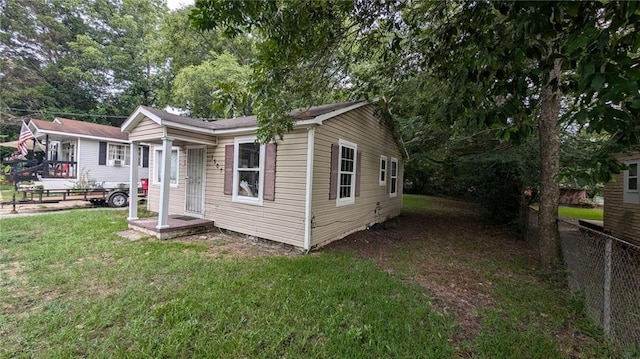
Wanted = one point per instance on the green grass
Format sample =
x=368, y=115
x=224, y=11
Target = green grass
x=82, y=291
x=70, y=287
x=7, y=191
x=580, y=213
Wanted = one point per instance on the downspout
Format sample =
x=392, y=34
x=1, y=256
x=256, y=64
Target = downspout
x=309, y=188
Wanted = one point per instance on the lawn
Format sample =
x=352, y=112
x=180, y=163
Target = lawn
x=7, y=191
x=70, y=287
x=580, y=213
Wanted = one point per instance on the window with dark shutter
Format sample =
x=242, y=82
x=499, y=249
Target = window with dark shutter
x=347, y=168
x=333, y=177
x=228, y=169
x=270, y=172
x=102, y=154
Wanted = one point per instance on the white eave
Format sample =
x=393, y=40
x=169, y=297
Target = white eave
x=319, y=119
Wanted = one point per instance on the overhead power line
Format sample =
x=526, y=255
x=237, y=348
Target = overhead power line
x=66, y=113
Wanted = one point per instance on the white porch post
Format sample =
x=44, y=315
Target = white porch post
x=308, y=215
x=165, y=180
x=133, y=182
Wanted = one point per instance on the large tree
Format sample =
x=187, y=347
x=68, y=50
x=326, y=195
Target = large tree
x=34, y=48
x=506, y=66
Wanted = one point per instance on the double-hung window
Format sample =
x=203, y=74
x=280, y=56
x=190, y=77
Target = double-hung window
x=118, y=154
x=393, y=186
x=248, y=174
x=157, y=166
x=346, y=173
x=632, y=183
x=382, y=178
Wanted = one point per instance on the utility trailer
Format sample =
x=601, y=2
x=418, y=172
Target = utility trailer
x=117, y=197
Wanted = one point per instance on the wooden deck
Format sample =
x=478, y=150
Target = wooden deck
x=179, y=225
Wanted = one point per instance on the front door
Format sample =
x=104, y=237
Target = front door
x=195, y=180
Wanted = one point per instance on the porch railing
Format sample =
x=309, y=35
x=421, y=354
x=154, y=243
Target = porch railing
x=28, y=171
x=59, y=169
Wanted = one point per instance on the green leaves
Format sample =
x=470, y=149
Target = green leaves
x=217, y=88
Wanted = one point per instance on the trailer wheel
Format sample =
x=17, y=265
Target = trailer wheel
x=118, y=199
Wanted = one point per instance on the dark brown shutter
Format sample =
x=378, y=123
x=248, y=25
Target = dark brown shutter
x=358, y=167
x=145, y=156
x=333, y=177
x=102, y=154
x=269, y=193
x=228, y=169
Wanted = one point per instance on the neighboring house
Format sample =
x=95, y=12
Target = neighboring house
x=83, y=151
x=338, y=171
x=622, y=201
x=569, y=195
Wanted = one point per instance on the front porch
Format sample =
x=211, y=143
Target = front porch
x=177, y=226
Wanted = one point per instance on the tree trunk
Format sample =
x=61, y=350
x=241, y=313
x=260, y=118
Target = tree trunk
x=549, y=243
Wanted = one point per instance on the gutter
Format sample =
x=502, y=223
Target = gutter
x=308, y=216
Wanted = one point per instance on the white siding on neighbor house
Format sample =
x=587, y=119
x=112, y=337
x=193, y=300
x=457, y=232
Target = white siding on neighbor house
x=280, y=220
x=621, y=219
x=145, y=130
x=88, y=153
x=374, y=205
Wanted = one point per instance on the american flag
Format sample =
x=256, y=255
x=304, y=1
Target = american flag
x=25, y=135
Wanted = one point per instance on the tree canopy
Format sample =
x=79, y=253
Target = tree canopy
x=511, y=70
x=532, y=92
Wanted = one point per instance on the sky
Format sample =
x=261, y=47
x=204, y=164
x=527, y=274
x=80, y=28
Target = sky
x=176, y=4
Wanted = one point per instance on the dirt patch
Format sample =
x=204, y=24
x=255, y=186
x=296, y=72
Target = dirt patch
x=449, y=251
x=222, y=244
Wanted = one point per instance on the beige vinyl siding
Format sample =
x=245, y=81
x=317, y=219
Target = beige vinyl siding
x=374, y=203
x=281, y=220
x=621, y=219
x=174, y=132
x=146, y=130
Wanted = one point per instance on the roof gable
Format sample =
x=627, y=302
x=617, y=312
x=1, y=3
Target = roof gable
x=305, y=116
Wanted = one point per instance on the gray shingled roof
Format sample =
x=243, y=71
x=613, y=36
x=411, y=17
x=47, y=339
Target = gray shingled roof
x=80, y=128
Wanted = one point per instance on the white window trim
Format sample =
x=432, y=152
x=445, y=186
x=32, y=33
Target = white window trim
x=631, y=195
x=156, y=167
x=140, y=156
x=382, y=180
x=256, y=201
x=351, y=199
x=126, y=155
x=393, y=191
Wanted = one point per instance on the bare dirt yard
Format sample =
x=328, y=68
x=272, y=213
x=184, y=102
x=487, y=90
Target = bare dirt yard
x=457, y=257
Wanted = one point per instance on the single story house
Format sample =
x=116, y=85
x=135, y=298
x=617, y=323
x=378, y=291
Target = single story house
x=622, y=201
x=338, y=171
x=83, y=151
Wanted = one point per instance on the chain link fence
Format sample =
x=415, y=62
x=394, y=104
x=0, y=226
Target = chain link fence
x=606, y=271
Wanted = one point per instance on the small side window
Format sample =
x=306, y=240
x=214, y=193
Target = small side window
x=157, y=166
x=631, y=183
x=382, y=177
x=393, y=191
